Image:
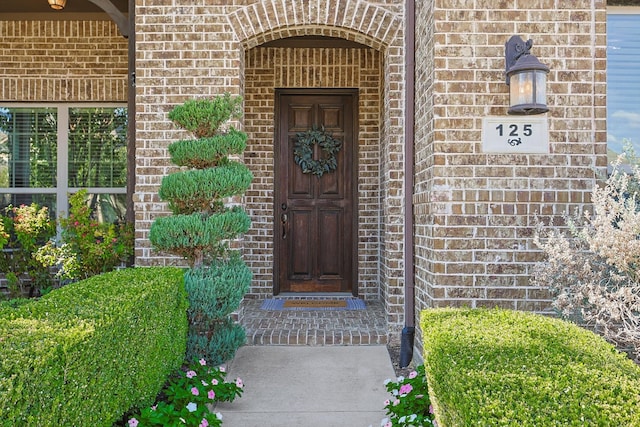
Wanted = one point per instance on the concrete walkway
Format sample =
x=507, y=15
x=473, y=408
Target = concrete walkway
x=303, y=386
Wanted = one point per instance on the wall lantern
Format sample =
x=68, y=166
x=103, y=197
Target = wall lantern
x=57, y=4
x=526, y=77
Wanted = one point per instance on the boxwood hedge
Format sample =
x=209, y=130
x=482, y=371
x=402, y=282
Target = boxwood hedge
x=504, y=368
x=86, y=353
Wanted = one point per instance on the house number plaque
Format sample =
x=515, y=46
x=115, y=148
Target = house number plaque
x=526, y=134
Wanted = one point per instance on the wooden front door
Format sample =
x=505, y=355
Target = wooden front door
x=315, y=216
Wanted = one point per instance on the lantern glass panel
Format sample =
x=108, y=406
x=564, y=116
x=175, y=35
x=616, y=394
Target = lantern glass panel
x=540, y=87
x=522, y=87
x=528, y=88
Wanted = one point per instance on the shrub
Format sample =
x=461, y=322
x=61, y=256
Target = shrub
x=592, y=268
x=202, y=225
x=22, y=231
x=85, y=353
x=498, y=367
x=89, y=247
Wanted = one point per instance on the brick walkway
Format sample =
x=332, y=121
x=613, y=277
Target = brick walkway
x=313, y=327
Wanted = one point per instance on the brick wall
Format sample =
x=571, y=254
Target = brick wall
x=475, y=212
x=69, y=61
x=190, y=51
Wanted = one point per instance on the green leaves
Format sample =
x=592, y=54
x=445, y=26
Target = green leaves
x=187, y=235
x=203, y=117
x=85, y=353
x=208, y=152
x=409, y=404
x=499, y=367
x=303, y=151
x=202, y=226
x=197, y=190
x=215, y=291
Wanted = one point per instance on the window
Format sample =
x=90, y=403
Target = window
x=623, y=84
x=48, y=152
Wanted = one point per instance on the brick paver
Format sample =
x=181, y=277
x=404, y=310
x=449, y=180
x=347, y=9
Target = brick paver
x=313, y=327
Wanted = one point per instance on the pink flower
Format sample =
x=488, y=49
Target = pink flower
x=387, y=402
x=191, y=374
x=413, y=375
x=204, y=423
x=396, y=402
x=222, y=369
x=239, y=383
x=214, y=382
x=133, y=422
x=406, y=388
x=203, y=362
x=195, y=391
x=431, y=409
x=211, y=395
x=388, y=424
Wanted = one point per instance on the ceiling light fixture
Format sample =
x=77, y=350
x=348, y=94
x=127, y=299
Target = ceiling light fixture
x=57, y=4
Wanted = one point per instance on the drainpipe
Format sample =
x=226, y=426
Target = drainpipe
x=408, y=332
x=131, y=113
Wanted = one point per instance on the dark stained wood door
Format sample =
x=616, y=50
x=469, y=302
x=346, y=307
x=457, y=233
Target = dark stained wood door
x=315, y=216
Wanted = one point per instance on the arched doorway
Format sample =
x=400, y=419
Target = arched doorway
x=339, y=250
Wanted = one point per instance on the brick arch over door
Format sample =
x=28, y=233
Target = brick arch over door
x=383, y=30
x=354, y=20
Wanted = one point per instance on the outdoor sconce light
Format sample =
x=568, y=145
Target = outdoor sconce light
x=526, y=78
x=57, y=4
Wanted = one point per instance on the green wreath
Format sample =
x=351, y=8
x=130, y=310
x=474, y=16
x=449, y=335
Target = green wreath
x=303, y=151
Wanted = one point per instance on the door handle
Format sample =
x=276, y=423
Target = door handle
x=283, y=219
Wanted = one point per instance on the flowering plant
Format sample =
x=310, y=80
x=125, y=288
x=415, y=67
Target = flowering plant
x=22, y=231
x=593, y=266
x=189, y=397
x=409, y=404
x=89, y=246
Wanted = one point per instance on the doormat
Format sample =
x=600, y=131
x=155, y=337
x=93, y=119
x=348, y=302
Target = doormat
x=313, y=304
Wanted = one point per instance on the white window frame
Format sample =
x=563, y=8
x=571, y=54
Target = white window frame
x=62, y=190
x=622, y=10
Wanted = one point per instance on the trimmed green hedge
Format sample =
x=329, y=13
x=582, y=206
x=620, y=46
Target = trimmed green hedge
x=86, y=353
x=504, y=368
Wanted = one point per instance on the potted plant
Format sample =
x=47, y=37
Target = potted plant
x=204, y=222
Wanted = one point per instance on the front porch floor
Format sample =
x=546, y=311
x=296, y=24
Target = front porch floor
x=313, y=327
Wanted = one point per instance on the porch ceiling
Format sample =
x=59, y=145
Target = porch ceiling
x=40, y=9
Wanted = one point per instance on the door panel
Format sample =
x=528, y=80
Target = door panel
x=330, y=255
x=315, y=242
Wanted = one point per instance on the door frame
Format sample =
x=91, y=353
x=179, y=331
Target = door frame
x=279, y=93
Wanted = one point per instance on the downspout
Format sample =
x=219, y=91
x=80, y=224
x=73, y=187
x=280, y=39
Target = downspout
x=131, y=112
x=408, y=332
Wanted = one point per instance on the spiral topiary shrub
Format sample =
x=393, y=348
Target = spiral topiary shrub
x=202, y=224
